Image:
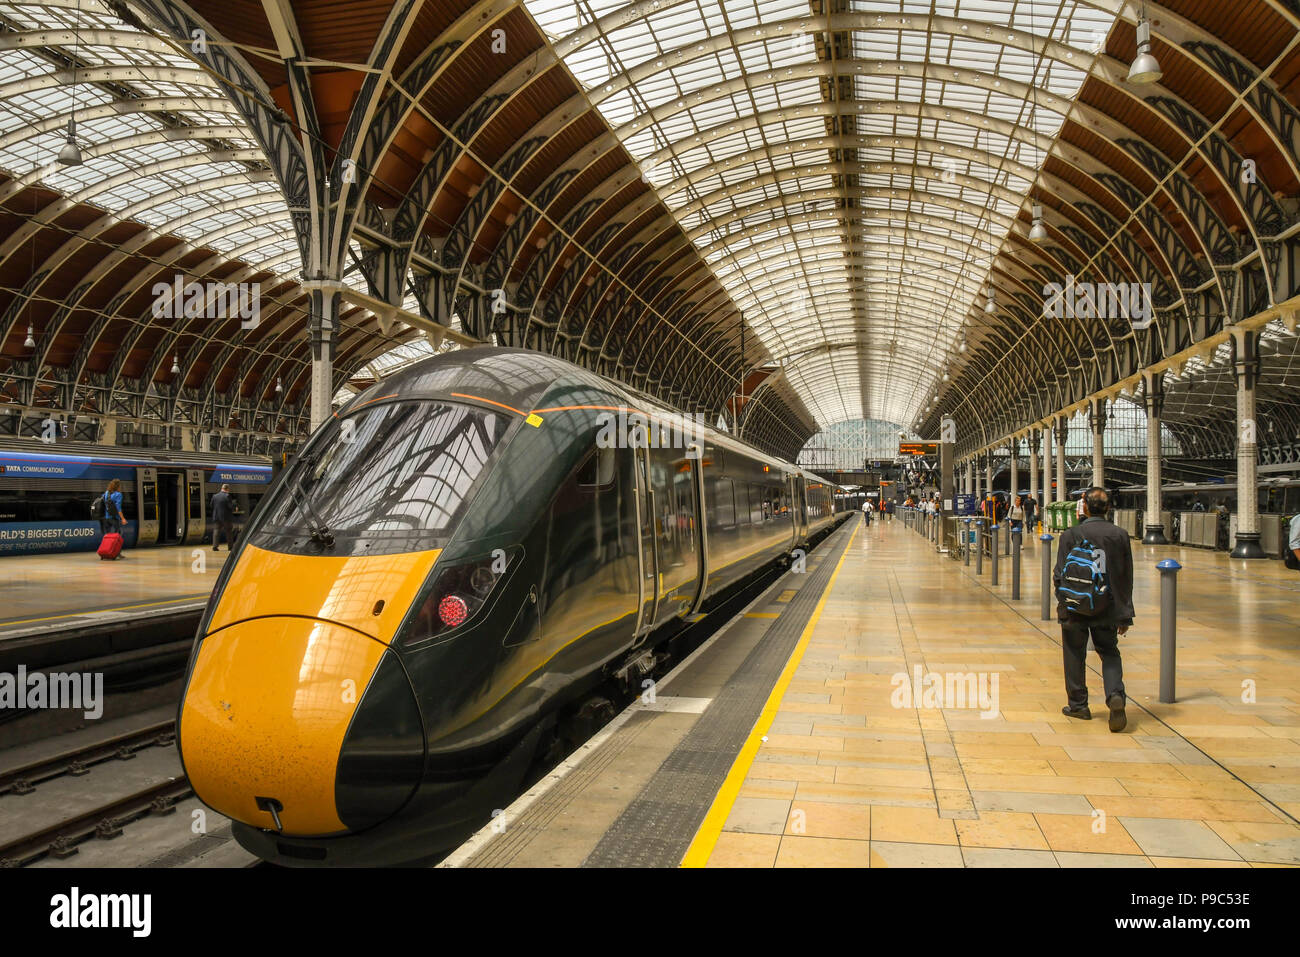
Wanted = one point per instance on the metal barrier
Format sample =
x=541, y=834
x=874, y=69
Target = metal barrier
x=1046, y=539
x=1015, y=564
x=1168, y=627
x=993, y=554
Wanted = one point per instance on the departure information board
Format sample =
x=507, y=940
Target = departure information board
x=918, y=448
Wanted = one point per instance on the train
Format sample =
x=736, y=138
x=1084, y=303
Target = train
x=448, y=579
x=46, y=491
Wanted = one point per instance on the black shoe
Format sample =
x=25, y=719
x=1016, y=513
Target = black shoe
x=214, y=548
x=1118, y=720
x=1083, y=714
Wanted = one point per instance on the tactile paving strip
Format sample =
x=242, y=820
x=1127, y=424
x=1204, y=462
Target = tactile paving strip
x=518, y=834
x=656, y=829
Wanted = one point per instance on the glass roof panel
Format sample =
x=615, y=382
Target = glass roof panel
x=727, y=106
x=174, y=166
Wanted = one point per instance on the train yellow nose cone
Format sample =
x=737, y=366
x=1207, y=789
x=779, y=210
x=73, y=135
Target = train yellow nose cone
x=266, y=710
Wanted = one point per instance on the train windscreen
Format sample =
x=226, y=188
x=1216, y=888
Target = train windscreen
x=390, y=478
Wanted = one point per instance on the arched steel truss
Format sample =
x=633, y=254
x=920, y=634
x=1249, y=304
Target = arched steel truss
x=538, y=213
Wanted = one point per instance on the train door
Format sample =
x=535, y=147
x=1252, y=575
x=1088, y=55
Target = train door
x=171, y=507
x=672, y=485
x=697, y=461
x=195, y=507
x=146, y=498
x=648, y=559
x=801, y=507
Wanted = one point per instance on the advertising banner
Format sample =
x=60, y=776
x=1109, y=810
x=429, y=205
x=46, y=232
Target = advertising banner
x=31, y=538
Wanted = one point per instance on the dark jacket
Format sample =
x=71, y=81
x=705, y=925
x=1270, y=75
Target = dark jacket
x=222, y=510
x=1112, y=540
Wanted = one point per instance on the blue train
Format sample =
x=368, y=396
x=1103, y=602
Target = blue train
x=45, y=494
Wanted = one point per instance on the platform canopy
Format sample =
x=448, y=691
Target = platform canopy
x=789, y=212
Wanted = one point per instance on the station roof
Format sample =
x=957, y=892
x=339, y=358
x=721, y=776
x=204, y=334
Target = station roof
x=817, y=198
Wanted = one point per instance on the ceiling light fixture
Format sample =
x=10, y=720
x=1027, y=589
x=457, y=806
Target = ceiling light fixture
x=1145, y=69
x=990, y=306
x=30, y=341
x=70, y=155
x=1037, y=231
x=176, y=365
x=278, y=387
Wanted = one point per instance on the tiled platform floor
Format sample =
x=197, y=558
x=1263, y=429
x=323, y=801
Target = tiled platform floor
x=38, y=589
x=846, y=778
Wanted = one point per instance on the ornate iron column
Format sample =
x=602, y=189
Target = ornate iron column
x=1062, y=433
x=1245, y=349
x=1097, y=419
x=1014, y=486
x=1047, y=460
x=1155, y=403
x=1033, y=464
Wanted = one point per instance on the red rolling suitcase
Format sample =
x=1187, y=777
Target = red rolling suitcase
x=110, y=547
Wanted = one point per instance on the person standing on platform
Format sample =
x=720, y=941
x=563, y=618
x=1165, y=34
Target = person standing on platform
x=1031, y=508
x=1016, y=515
x=111, y=520
x=866, y=511
x=1094, y=599
x=223, y=518
x=1293, y=544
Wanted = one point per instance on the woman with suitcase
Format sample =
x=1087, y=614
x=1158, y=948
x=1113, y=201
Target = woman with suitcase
x=111, y=523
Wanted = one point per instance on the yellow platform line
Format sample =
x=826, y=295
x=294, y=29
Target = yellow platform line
x=100, y=611
x=697, y=855
x=762, y=614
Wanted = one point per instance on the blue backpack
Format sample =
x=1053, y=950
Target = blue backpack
x=1085, y=586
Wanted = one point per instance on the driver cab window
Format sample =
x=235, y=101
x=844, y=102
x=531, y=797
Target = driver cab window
x=598, y=471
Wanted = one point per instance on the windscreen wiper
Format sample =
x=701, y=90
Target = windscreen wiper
x=316, y=527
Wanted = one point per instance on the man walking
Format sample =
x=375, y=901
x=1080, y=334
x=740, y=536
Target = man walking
x=223, y=518
x=1094, y=590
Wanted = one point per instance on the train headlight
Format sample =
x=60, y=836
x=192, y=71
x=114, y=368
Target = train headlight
x=457, y=596
x=452, y=611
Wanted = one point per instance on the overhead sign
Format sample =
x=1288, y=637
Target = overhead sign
x=918, y=448
x=242, y=474
x=26, y=464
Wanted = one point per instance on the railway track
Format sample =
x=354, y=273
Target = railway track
x=104, y=822
x=77, y=761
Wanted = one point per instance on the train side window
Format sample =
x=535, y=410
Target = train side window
x=599, y=470
x=13, y=505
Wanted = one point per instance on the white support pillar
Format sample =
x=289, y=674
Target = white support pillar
x=1062, y=433
x=988, y=472
x=1097, y=419
x=1013, y=488
x=1154, y=397
x=324, y=326
x=1245, y=345
x=1033, y=465
x=1047, y=460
